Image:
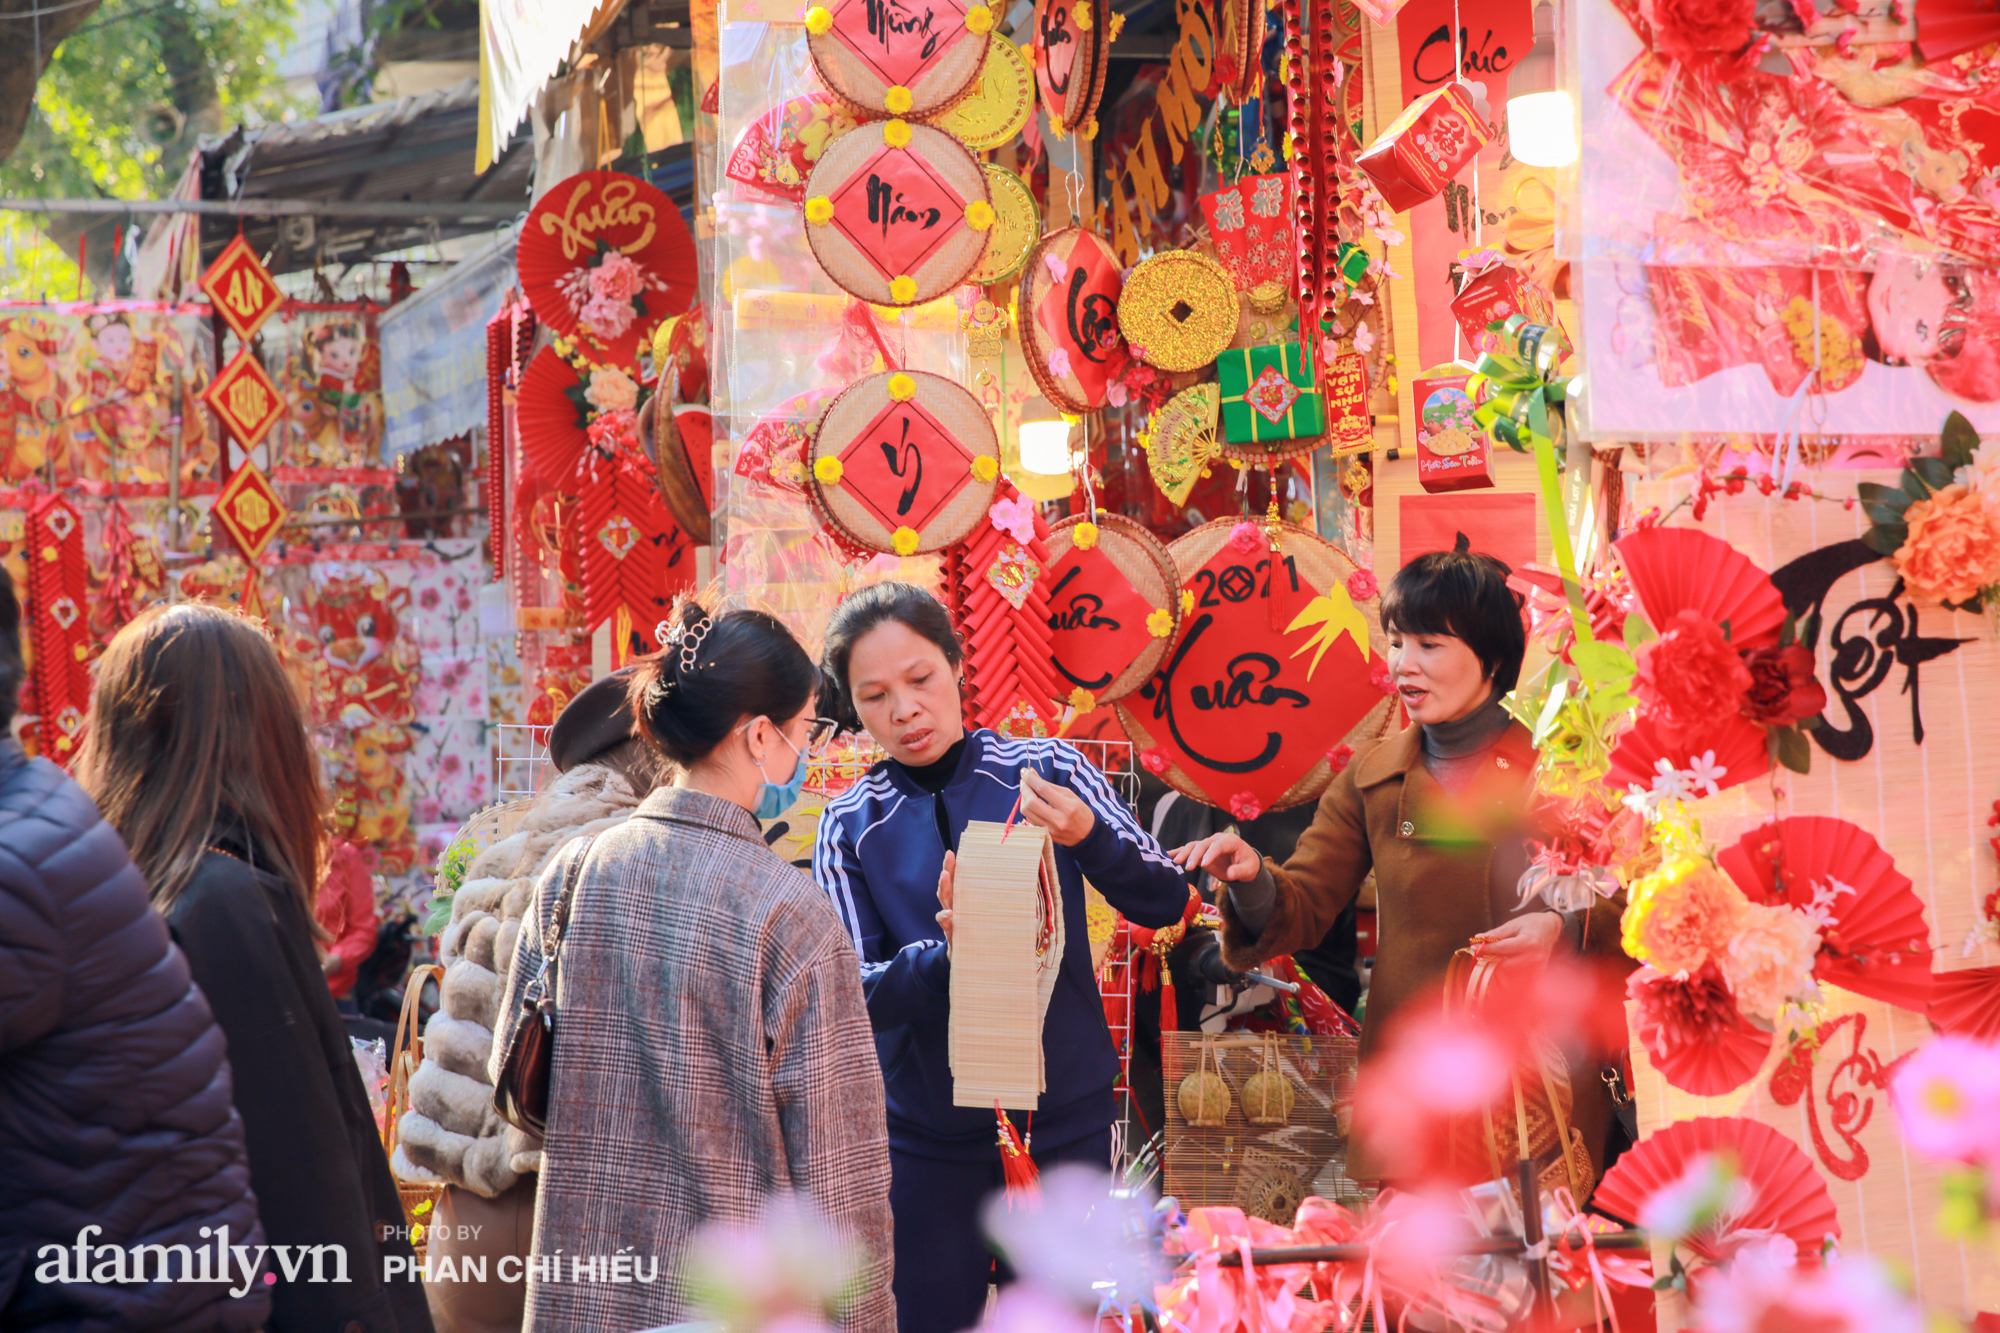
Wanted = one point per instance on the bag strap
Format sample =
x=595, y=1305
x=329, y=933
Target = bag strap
x=552, y=937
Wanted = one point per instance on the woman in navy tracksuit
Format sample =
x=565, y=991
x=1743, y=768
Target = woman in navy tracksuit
x=885, y=853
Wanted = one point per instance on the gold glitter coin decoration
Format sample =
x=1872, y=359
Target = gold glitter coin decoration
x=1000, y=104
x=1268, y=297
x=1178, y=311
x=1017, y=226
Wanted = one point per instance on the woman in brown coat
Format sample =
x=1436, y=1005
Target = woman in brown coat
x=1434, y=811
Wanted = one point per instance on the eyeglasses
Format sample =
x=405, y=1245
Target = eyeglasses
x=817, y=735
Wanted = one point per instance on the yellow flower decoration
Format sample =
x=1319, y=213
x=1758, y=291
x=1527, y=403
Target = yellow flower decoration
x=1160, y=622
x=1089, y=130
x=903, y=289
x=897, y=100
x=979, y=215
x=1117, y=25
x=1084, y=20
x=1082, y=700
x=1187, y=600
x=985, y=467
x=1056, y=126
x=979, y=19
x=818, y=21
x=902, y=388
x=1084, y=535
x=819, y=210
x=904, y=540
x=896, y=133
x=828, y=470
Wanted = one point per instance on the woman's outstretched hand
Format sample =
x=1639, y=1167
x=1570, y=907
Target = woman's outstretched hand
x=1223, y=855
x=1052, y=806
x=944, y=898
x=1523, y=939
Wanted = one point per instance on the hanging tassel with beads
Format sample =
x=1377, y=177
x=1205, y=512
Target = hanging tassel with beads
x=1017, y=1168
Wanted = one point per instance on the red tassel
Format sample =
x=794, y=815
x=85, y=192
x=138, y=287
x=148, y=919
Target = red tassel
x=1170, y=1012
x=1017, y=1168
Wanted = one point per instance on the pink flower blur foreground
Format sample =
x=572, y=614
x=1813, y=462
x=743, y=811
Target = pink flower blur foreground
x=1762, y=1292
x=1947, y=1097
x=790, y=1270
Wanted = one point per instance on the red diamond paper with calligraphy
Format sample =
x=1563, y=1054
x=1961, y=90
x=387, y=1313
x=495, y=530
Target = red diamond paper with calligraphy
x=897, y=211
x=905, y=466
x=250, y=510
x=244, y=399
x=58, y=593
x=242, y=289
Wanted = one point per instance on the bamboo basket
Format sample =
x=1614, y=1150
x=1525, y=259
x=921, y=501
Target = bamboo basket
x=420, y=1199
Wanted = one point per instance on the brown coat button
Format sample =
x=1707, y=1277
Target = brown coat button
x=1408, y=828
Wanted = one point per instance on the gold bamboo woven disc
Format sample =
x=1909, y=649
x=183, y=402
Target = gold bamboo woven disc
x=907, y=464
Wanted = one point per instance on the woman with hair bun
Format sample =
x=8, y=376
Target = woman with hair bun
x=712, y=1045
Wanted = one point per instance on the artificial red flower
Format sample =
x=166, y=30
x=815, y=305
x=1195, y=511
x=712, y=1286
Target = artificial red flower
x=1782, y=688
x=1153, y=759
x=1690, y=679
x=1679, y=1010
x=1338, y=758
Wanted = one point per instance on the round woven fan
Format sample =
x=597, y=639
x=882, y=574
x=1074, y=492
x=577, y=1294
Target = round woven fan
x=923, y=50
x=881, y=464
x=1879, y=943
x=680, y=459
x=1069, y=319
x=1184, y=441
x=1967, y=1002
x=1102, y=601
x=1738, y=745
x=1266, y=678
x=565, y=237
x=1723, y=1060
x=1686, y=569
x=549, y=419
x=1784, y=1193
x=889, y=212
x=1072, y=56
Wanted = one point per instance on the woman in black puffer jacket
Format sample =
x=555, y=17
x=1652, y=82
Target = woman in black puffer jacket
x=199, y=756
x=115, y=1106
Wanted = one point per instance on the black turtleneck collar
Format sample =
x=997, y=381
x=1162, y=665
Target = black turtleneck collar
x=935, y=776
x=1471, y=734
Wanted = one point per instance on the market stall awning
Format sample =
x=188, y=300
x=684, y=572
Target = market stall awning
x=417, y=150
x=521, y=45
x=434, y=350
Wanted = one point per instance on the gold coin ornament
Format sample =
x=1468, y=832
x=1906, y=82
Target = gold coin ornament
x=897, y=213
x=1183, y=442
x=1000, y=103
x=1017, y=226
x=915, y=58
x=1204, y=1100
x=1178, y=311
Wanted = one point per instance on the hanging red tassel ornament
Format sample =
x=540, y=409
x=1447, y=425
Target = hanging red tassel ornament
x=634, y=555
x=58, y=591
x=1017, y=1168
x=499, y=360
x=1322, y=160
x=1003, y=619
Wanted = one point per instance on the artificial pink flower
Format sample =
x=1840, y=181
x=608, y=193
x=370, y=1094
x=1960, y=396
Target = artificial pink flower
x=1015, y=517
x=607, y=318
x=1338, y=758
x=1247, y=537
x=617, y=278
x=1153, y=759
x=1361, y=585
x=1379, y=677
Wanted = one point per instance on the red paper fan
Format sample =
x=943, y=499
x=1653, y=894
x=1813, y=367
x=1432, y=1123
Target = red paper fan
x=1879, y=944
x=1676, y=569
x=1722, y=1060
x=1967, y=1003
x=552, y=434
x=562, y=239
x=1946, y=28
x=1738, y=744
x=1785, y=1194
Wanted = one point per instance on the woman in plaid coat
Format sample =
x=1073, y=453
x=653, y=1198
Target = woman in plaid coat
x=712, y=1045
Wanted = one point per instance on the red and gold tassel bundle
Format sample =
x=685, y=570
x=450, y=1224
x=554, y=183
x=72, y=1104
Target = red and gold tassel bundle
x=1017, y=1169
x=58, y=592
